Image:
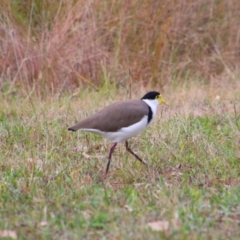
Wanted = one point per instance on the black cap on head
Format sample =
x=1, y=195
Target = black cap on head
x=151, y=95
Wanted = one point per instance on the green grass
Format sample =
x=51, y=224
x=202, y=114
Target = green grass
x=51, y=184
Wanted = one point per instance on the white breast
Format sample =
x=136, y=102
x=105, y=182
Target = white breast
x=153, y=104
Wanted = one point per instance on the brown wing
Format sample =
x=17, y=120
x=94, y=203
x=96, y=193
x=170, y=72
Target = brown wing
x=115, y=116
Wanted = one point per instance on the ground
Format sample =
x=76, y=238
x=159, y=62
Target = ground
x=52, y=184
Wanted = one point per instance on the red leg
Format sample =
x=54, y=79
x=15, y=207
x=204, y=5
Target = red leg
x=110, y=156
x=134, y=154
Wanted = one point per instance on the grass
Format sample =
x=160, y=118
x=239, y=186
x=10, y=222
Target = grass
x=51, y=184
x=51, y=180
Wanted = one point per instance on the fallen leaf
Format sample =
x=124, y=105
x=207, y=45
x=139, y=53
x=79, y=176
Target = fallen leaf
x=175, y=173
x=87, y=215
x=37, y=162
x=86, y=155
x=179, y=166
x=43, y=223
x=129, y=209
x=87, y=179
x=8, y=234
x=163, y=225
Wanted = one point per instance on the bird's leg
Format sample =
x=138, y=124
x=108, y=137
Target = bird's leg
x=109, y=157
x=134, y=154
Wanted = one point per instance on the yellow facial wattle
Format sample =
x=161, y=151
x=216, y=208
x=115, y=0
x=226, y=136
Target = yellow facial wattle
x=161, y=100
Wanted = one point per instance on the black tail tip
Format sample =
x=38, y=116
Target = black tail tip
x=71, y=130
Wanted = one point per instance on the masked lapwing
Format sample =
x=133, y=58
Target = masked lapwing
x=122, y=120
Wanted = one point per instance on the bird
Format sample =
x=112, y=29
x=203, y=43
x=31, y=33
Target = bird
x=122, y=120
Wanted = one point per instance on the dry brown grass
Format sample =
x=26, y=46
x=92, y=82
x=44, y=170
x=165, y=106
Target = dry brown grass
x=59, y=44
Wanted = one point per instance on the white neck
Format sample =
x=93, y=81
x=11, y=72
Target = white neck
x=153, y=104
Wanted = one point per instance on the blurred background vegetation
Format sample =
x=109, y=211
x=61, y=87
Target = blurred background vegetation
x=57, y=45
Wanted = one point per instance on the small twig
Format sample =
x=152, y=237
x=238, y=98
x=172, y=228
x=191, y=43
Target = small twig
x=86, y=137
x=130, y=87
x=236, y=117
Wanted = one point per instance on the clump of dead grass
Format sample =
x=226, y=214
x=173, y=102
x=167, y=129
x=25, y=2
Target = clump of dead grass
x=60, y=44
x=56, y=50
